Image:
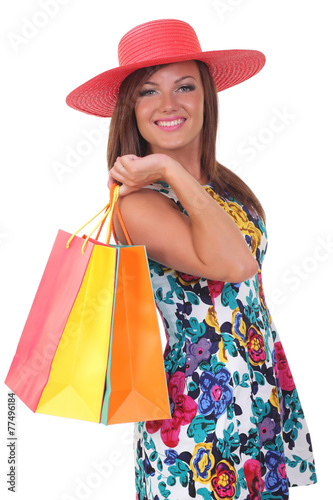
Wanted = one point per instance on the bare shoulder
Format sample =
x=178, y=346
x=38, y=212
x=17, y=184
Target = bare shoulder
x=143, y=212
x=132, y=205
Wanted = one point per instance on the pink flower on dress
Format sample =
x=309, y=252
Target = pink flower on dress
x=187, y=279
x=183, y=410
x=223, y=483
x=215, y=289
x=256, y=346
x=252, y=472
x=282, y=370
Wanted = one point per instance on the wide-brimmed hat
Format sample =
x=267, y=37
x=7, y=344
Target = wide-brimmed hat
x=158, y=42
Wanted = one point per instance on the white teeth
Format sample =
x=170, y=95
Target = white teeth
x=170, y=124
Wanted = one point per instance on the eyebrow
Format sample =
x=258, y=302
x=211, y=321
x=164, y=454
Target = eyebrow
x=176, y=81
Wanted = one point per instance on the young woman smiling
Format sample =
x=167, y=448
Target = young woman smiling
x=237, y=428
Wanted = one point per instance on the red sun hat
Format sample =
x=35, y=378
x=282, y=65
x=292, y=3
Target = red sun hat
x=157, y=42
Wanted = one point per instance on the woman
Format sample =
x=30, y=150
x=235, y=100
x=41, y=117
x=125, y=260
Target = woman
x=237, y=429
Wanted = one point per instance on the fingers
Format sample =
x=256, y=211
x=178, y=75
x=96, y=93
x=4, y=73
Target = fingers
x=134, y=172
x=118, y=171
x=122, y=170
x=111, y=181
x=125, y=190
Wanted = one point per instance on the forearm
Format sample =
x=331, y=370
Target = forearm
x=217, y=240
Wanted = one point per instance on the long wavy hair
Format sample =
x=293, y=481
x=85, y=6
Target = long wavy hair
x=125, y=138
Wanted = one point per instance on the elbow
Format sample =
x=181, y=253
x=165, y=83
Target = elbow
x=242, y=270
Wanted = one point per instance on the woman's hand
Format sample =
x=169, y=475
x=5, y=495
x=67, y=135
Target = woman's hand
x=135, y=172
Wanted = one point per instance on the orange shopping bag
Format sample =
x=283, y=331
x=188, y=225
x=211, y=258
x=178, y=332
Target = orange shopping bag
x=91, y=346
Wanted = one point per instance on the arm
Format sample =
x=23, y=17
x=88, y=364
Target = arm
x=208, y=243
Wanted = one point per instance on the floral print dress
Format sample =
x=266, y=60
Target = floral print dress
x=237, y=429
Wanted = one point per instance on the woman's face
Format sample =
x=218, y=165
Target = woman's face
x=170, y=107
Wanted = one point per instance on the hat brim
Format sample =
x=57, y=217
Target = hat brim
x=98, y=96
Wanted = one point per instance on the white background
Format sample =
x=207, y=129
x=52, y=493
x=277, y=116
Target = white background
x=46, y=55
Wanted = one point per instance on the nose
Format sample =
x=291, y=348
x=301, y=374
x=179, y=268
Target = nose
x=168, y=102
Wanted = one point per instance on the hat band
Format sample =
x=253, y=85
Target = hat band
x=161, y=40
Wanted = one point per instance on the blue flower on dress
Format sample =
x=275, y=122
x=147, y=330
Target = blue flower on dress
x=216, y=392
x=202, y=462
x=171, y=456
x=276, y=477
x=149, y=470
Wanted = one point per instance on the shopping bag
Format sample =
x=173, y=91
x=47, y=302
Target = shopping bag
x=91, y=347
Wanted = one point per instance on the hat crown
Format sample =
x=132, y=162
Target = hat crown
x=157, y=39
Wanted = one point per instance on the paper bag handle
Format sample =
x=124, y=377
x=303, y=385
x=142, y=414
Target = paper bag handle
x=108, y=211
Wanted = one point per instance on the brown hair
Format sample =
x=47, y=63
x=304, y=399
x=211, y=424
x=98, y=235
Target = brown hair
x=125, y=138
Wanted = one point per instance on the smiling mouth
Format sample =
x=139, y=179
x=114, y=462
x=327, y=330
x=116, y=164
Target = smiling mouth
x=170, y=123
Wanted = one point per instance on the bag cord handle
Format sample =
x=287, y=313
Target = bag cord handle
x=108, y=211
x=111, y=230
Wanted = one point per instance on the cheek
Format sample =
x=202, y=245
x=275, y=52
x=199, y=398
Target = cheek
x=197, y=110
x=142, y=114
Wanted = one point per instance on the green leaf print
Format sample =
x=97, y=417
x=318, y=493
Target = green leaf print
x=303, y=464
x=279, y=444
x=235, y=458
x=262, y=227
x=204, y=365
x=196, y=330
x=200, y=427
x=269, y=445
x=260, y=379
x=153, y=456
x=180, y=470
x=164, y=492
x=267, y=495
x=174, y=286
x=160, y=298
x=293, y=423
x=228, y=341
x=192, y=298
x=192, y=386
x=242, y=383
x=149, y=445
x=167, y=299
x=260, y=324
x=179, y=326
x=171, y=480
x=182, y=466
x=156, y=267
x=159, y=465
x=180, y=293
x=175, y=359
x=228, y=296
x=311, y=467
x=183, y=480
x=205, y=494
x=236, y=378
x=259, y=408
x=216, y=366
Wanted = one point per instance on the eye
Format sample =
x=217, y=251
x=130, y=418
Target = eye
x=186, y=88
x=146, y=92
